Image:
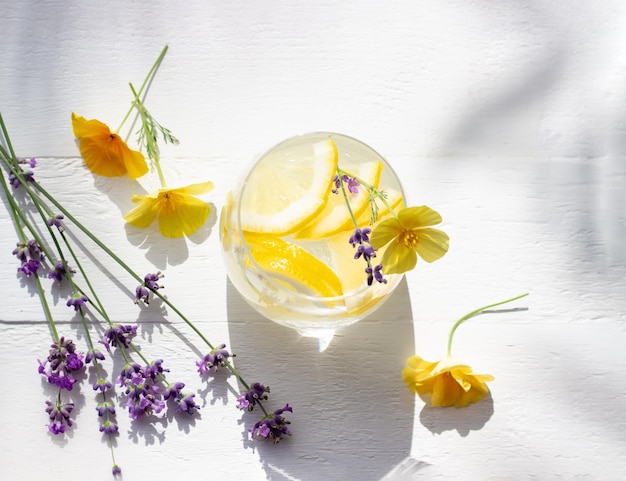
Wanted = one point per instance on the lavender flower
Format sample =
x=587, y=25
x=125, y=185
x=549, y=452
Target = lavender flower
x=116, y=470
x=154, y=369
x=30, y=255
x=375, y=274
x=273, y=426
x=360, y=239
x=217, y=357
x=32, y=162
x=61, y=363
x=58, y=273
x=29, y=267
x=15, y=181
x=59, y=416
x=351, y=182
x=360, y=236
x=150, y=284
x=144, y=396
x=93, y=354
x=102, y=385
x=185, y=403
x=142, y=294
x=56, y=221
x=151, y=281
x=105, y=407
x=365, y=250
x=109, y=427
x=118, y=336
x=249, y=399
x=77, y=301
x=173, y=390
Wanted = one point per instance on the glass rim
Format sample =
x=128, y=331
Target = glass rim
x=395, y=279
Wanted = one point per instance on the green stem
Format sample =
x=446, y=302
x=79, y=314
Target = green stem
x=92, y=291
x=345, y=197
x=143, y=85
x=474, y=313
x=151, y=147
x=46, y=308
x=371, y=189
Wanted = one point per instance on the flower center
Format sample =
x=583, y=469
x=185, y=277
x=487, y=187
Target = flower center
x=408, y=238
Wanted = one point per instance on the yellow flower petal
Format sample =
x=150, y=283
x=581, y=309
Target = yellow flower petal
x=446, y=391
x=421, y=216
x=384, y=232
x=104, y=152
x=398, y=258
x=144, y=214
x=84, y=128
x=100, y=157
x=179, y=213
x=433, y=244
x=196, y=189
x=449, y=382
x=134, y=161
x=186, y=215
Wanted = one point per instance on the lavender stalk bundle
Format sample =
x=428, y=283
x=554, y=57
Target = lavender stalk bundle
x=46, y=254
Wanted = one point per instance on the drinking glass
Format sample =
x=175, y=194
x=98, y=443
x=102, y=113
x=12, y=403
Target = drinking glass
x=283, y=273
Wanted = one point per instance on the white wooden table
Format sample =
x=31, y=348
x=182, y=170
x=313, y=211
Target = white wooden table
x=508, y=119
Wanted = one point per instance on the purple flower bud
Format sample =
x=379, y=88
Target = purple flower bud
x=353, y=184
x=273, y=426
x=248, y=399
x=102, y=385
x=29, y=267
x=105, y=407
x=118, y=336
x=108, y=427
x=56, y=221
x=77, y=301
x=186, y=404
x=93, y=354
x=216, y=358
x=59, y=414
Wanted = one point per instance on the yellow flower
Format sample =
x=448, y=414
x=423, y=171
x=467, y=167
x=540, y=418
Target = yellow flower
x=179, y=212
x=410, y=234
x=449, y=382
x=104, y=152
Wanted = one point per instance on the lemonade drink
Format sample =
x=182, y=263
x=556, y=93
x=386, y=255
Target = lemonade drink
x=286, y=232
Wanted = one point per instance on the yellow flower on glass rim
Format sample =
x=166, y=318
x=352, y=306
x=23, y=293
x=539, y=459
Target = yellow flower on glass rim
x=104, y=152
x=178, y=211
x=410, y=234
x=449, y=382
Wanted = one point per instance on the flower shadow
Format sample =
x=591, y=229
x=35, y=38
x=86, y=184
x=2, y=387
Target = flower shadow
x=353, y=416
x=146, y=428
x=470, y=418
x=162, y=251
x=215, y=383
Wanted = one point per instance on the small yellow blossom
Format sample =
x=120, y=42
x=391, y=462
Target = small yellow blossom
x=449, y=382
x=178, y=211
x=104, y=152
x=410, y=234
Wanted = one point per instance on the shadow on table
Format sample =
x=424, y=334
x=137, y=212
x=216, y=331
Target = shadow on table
x=470, y=418
x=352, y=415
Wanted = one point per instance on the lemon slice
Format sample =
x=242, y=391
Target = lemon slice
x=291, y=264
x=335, y=216
x=288, y=188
